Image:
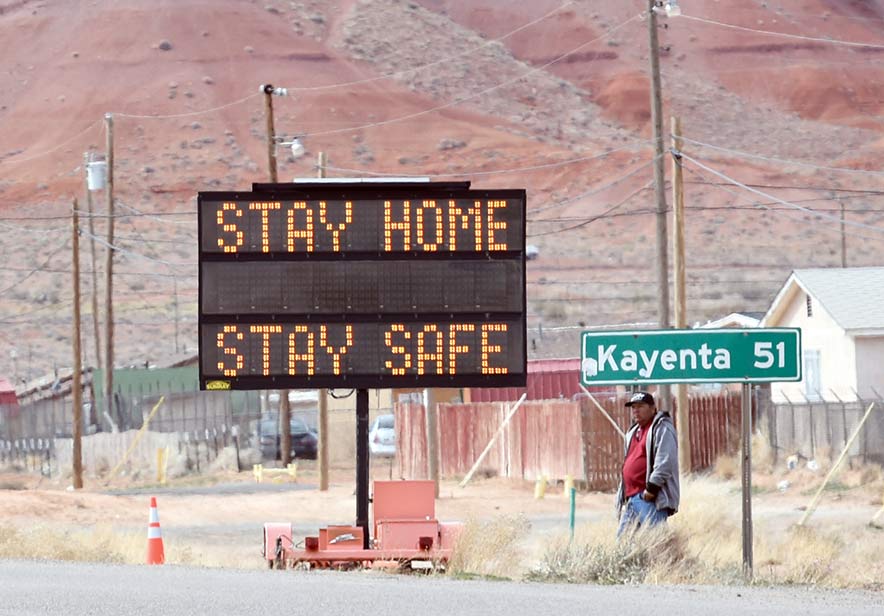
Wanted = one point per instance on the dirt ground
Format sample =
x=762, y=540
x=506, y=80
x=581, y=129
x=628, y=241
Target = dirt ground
x=216, y=520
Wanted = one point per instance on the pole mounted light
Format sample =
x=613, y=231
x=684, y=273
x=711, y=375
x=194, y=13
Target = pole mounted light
x=296, y=145
x=269, y=89
x=669, y=8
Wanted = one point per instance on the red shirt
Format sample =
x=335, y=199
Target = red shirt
x=635, y=467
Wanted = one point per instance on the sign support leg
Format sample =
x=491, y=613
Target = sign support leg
x=747, y=478
x=362, y=468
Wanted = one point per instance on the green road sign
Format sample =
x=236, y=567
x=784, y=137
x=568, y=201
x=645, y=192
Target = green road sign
x=691, y=356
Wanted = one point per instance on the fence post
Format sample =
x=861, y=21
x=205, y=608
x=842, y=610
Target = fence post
x=235, y=431
x=843, y=417
x=792, y=424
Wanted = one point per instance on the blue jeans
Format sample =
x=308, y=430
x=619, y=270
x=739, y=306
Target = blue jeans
x=637, y=512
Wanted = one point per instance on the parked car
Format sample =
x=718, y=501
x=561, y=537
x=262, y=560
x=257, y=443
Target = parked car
x=304, y=439
x=382, y=437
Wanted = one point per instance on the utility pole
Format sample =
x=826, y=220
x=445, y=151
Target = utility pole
x=271, y=131
x=682, y=410
x=659, y=182
x=109, y=272
x=175, y=308
x=843, y=237
x=96, y=331
x=285, y=409
x=76, y=377
x=321, y=167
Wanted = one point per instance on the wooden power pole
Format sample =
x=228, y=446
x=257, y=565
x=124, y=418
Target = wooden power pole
x=659, y=184
x=321, y=167
x=843, y=238
x=285, y=409
x=682, y=416
x=109, y=273
x=76, y=378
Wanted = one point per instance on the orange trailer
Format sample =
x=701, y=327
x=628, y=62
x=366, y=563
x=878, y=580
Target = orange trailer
x=406, y=533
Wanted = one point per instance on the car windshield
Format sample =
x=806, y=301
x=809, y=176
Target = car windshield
x=296, y=426
x=385, y=422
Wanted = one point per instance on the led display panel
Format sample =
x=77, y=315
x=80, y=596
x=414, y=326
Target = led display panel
x=342, y=285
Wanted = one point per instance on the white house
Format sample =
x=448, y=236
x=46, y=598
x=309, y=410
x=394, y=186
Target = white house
x=841, y=315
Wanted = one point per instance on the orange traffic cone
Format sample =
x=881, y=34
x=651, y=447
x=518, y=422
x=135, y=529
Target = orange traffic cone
x=155, y=555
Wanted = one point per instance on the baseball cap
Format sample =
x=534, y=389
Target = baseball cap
x=639, y=397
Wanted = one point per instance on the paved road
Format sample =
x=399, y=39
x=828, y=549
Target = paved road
x=32, y=588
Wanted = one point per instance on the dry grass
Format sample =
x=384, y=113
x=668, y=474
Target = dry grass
x=490, y=548
x=702, y=545
x=598, y=557
x=106, y=545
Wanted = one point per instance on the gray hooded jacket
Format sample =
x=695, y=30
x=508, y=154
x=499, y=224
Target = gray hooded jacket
x=662, y=454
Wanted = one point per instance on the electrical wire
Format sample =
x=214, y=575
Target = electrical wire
x=186, y=114
x=591, y=192
x=116, y=272
x=553, y=165
x=121, y=250
x=33, y=271
x=604, y=214
x=16, y=161
x=758, y=205
x=153, y=215
x=830, y=41
x=864, y=192
x=85, y=215
x=415, y=69
x=778, y=200
x=780, y=160
x=458, y=101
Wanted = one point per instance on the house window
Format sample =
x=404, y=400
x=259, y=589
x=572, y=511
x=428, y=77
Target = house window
x=809, y=306
x=812, y=381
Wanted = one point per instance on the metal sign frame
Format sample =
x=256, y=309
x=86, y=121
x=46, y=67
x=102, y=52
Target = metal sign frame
x=514, y=320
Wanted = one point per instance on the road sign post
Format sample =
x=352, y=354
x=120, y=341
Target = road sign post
x=744, y=356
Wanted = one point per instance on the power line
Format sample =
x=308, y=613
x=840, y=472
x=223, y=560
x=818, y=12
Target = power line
x=781, y=160
x=96, y=216
x=593, y=191
x=189, y=113
x=119, y=249
x=33, y=271
x=435, y=62
x=50, y=151
x=477, y=94
x=806, y=187
x=156, y=215
x=778, y=200
x=116, y=272
x=830, y=41
x=560, y=163
x=604, y=214
x=791, y=209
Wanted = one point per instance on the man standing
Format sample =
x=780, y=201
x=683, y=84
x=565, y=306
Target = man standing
x=649, y=489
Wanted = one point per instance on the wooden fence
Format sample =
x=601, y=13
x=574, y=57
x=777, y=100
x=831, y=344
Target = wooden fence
x=551, y=439
x=715, y=430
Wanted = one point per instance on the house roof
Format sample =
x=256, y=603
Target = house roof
x=853, y=296
x=734, y=319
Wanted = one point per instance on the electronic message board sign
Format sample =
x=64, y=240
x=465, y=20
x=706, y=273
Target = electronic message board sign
x=367, y=286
